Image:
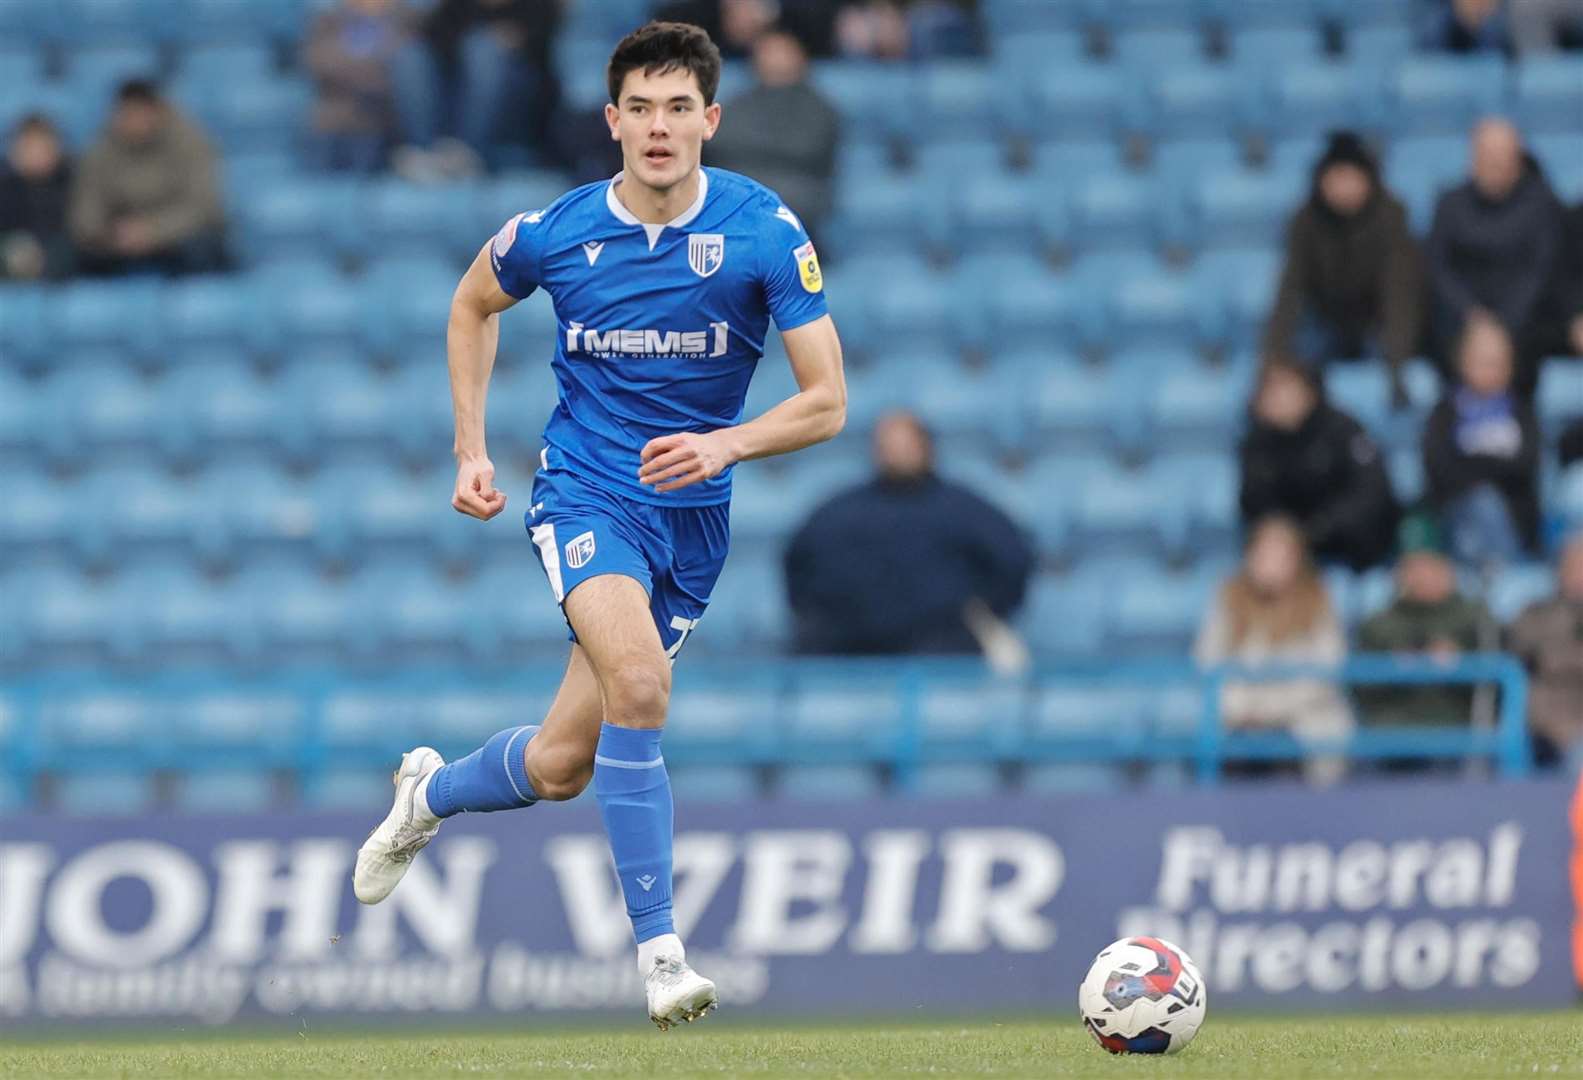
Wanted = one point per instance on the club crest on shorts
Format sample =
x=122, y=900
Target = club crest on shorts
x=579, y=549
x=706, y=252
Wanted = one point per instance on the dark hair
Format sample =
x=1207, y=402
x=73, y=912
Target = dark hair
x=141, y=91
x=666, y=46
x=36, y=121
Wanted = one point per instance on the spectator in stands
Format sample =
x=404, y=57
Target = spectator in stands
x=1276, y=610
x=1540, y=26
x=1307, y=459
x=1353, y=281
x=783, y=132
x=486, y=81
x=1548, y=636
x=907, y=562
x=1558, y=328
x=1481, y=455
x=735, y=25
x=34, y=187
x=1465, y=26
x=146, y=196
x=1493, y=247
x=351, y=53
x=1428, y=618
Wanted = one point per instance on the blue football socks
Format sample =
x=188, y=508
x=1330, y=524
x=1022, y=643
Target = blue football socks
x=634, y=795
x=493, y=777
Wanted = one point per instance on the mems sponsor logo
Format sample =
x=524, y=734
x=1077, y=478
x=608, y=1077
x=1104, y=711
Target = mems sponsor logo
x=680, y=343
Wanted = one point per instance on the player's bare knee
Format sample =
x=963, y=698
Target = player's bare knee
x=637, y=694
x=562, y=786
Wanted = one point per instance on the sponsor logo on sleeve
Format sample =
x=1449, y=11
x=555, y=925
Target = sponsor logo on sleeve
x=808, y=268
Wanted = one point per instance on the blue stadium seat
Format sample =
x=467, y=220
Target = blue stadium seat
x=25, y=24
x=1560, y=394
x=228, y=792
x=1074, y=406
x=1296, y=154
x=95, y=22
x=1197, y=99
x=251, y=62
x=69, y=613
x=136, y=506
x=1569, y=499
x=1078, y=718
x=1018, y=56
x=301, y=217
x=25, y=342
x=871, y=97
x=496, y=201
x=1211, y=482
x=987, y=408
x=1406, y=466
x=1065, y=616
x=1267, y=48
x=1561, y=153
x=99, y=405
x=1008, y=19
x=944, y=782
x=1374, y=13
x=1088, y=100
x=230, y=728
x=1442, y=158
x=580, y=62
x=1025, y=307
x=996, y=212
x=218, y=21
x=956, y=98
x=97, y=71
x=1165, y=308
x=836, y=712
x=1245, y=209
x=19, y=419
x=859, y=162
x=1073, y=778
x=301, y=613
x=412, y=609
x=117, y=794
x=1245, y=279
x=250, y=114
x=20, y=67
x=1518, y=586
x=876, y=216
x=400, y=218
x=403, y=300
x=1152, y=49
x=183, y=617
x=225, y=403
x=1429, y=94
x=349, y=789
x=1160, y=614
x=1321, y=96
x=79, y=117
x=1122, y=15
x=316, y=315
x=1290, y=14
x=200, y=314
x=40, y=512
x=904, y=308
x=1060, y=162
x=259, y=507
x=971, y=719
x=748, y=607
x=1549, y=93
x=1197, y=408
x=515, y=600
x=713, y=783
x=1362, y=391
x=121, y=314
x=1118, y=211
x=1139, y=510
x=827, y=783
x=727, y=720
x=367, y=501
x=1373, y=591
x=1381, y=47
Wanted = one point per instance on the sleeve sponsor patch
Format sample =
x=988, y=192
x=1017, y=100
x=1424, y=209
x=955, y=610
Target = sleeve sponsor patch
x=508, y=232
x=808, y=268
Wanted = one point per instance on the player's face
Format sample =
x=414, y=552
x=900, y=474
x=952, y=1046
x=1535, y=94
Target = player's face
x=662, y=125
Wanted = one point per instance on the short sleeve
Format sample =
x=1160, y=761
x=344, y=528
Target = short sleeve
x=516, y=254
x=793, y=281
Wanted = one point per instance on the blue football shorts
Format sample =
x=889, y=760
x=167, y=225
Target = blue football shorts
x=675, y=553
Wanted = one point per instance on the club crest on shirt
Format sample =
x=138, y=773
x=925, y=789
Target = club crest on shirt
x=579, y=549
x=706, y=252
x=808, y=268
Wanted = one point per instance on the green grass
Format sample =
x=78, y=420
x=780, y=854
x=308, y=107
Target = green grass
x=1445, y=1048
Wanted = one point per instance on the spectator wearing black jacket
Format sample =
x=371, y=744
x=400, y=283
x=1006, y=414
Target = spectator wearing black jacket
x=1559, y=326
x=1493, y=248
x=1481, y=455
x=1352, y=284
x=35, y=191
x=1304, y=458
x=906, y=562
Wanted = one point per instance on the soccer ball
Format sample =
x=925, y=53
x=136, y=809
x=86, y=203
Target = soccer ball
x=1142, y=996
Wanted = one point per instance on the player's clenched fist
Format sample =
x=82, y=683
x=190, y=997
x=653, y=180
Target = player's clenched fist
x=475, y=490
x=675, y=461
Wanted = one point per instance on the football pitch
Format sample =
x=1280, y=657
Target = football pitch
x=1452, y=1046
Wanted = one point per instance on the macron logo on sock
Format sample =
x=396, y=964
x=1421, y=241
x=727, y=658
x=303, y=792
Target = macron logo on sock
x=647, y=881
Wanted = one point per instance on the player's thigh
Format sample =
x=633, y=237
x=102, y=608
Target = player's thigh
x=560, y=758
x=611, y=618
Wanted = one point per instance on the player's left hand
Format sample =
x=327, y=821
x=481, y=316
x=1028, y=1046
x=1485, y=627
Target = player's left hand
x=676, y=461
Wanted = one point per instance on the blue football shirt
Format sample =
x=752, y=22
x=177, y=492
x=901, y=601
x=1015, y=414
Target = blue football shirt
x=660, y=326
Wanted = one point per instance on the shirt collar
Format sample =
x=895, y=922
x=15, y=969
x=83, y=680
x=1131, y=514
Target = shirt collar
x=626, y=217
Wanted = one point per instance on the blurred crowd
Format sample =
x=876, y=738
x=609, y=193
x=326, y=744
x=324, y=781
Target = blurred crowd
x=459, y=88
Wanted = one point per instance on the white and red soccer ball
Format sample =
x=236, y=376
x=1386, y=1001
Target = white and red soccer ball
x=1142, y=995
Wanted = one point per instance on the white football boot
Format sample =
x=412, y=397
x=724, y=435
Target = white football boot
x=678, y=993
x=383, y=859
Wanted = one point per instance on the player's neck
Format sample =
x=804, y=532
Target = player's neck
x=656, y=206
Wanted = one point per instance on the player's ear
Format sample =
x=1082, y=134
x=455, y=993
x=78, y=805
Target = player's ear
x=613, y=118
x=711, y=120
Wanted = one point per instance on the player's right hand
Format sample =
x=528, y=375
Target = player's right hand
x=475, y=490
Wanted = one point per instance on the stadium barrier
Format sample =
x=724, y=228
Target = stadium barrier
x=1428, y=893
x=900, y=715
